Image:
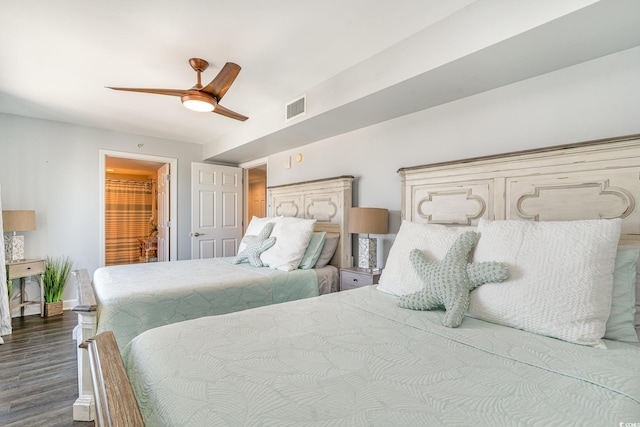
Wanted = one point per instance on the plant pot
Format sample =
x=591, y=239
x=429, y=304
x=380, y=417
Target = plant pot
x=52, y=308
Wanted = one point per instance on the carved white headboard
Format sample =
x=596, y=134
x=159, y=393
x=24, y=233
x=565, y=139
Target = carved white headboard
x=596, y=179
x=328, y=201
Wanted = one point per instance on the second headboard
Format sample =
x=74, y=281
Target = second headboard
x=327, y=200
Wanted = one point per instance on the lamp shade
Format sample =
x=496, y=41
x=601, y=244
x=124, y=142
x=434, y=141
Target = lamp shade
x=368, y=221
x=19, y=220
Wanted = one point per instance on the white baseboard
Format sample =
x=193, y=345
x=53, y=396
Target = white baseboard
x=35, y=308
x=69, y=304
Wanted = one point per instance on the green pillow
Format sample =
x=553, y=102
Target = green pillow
x=313, y=251
x=621, y=322
x=447, y=283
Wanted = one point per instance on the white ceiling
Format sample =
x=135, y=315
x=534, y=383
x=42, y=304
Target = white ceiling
x=56, y=57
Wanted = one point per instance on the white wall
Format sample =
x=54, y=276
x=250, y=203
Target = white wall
x=593, y=100
x=52, y=168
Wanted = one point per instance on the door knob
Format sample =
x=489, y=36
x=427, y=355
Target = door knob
x=196, y=234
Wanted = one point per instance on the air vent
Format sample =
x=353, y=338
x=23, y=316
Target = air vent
x=296, y=107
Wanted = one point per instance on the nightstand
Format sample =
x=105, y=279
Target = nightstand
x=354, y=277
x=21, y=270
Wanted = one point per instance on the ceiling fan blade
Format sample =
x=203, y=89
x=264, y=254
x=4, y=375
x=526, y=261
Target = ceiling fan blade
x=170, y=92
x=226, y=112
x=222, y=82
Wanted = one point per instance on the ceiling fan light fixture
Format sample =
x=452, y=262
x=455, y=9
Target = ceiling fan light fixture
x=200, y=98
x=198, y=102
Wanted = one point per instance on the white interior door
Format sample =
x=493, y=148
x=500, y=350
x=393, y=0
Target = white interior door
x=216, y=210
x=164, y=218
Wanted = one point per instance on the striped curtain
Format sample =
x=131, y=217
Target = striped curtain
x=128, y=210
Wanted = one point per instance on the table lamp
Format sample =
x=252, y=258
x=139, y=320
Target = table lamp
x=16, y=221
x=368, y=221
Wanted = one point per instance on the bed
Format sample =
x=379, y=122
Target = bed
x=130, y=299
x=359, y=358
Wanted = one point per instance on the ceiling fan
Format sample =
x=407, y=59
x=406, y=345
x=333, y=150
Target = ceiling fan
x=202, y=99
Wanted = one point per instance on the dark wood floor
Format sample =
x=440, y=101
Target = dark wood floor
x=38, y=373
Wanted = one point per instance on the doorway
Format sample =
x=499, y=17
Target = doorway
x=142, y=193
x=255, y=189
x=257, y=192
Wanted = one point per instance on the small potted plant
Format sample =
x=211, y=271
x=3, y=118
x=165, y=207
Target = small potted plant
x=56, y=273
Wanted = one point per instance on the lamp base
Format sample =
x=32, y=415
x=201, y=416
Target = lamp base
x=13, y=248
x=367, y=253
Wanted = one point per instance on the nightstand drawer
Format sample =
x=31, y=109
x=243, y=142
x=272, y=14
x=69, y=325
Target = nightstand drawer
x=24, y=268
x=351, y=278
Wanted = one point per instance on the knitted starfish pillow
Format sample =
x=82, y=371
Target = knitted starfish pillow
x=255, y=246
x=447, y=283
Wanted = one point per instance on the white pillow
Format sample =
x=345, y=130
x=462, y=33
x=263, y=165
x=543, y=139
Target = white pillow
x=561, y=277
x=399, y=277
x=637, y=315
x=292, y=237
x=637, y=312
x=255, y=227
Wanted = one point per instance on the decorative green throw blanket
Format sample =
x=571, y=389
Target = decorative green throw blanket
x=448, y=283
